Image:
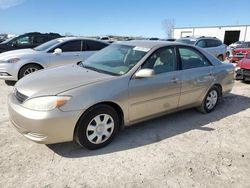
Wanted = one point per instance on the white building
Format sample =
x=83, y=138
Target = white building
x=227, y=34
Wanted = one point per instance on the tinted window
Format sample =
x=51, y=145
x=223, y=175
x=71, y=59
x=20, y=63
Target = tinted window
x=201, y=44
x=39, y=39
x=94, y=45
x=71, y=46
x=23, y=41
x=163, y=60
x=213, y=43
x=191, y=58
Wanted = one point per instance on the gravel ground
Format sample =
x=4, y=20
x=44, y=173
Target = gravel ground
x=185, y=149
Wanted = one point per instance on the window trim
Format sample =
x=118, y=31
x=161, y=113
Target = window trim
x=194, y=49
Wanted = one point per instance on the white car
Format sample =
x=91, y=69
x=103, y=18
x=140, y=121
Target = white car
x=18, y=63
x=210, y=44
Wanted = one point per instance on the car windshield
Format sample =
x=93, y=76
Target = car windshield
x=115, y=59
x=6, y=41
x=186, y=41
x=47, y=45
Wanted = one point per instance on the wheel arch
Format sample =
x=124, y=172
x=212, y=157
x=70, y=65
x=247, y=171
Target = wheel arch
x=112, y=104
x=26, y=64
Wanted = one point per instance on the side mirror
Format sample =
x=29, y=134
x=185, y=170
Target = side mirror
x=58, y=51
x=145, y=73
x=14, y=44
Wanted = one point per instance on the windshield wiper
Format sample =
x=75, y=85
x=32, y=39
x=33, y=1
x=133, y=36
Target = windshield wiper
x=98, y=70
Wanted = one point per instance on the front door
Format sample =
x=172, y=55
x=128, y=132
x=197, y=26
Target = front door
x=71, y=53
x=159, y=93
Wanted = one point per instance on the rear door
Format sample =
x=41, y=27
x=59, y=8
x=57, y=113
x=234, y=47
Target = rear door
x=196, y=75
x=71, y=53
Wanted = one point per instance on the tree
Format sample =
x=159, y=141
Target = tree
x=168, y=26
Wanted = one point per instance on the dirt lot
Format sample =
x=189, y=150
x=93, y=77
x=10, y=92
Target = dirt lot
x=185, y=149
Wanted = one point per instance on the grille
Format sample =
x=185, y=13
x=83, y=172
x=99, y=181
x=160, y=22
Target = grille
x=246, y=72
x=19, y=96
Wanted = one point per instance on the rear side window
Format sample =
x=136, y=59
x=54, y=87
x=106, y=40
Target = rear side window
x=191, y=58
x=94, y=45
x=71, y=46
x=213, y=43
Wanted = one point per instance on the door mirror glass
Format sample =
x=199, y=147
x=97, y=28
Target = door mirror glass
x=145, y=73
x=58, y=51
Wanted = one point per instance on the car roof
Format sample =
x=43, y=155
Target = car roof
x=197, y=38
x=147, y=43
x=63, y=39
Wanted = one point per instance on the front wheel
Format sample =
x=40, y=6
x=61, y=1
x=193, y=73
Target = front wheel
x=97, y=127
x=210, y=101
x=27, y=69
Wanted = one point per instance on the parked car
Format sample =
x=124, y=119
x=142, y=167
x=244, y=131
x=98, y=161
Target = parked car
x=240, y=53
x=243, y=69
x=210, y=44
x=18, y=63
x=236, y=44
x=125, y=83
x=27, y=40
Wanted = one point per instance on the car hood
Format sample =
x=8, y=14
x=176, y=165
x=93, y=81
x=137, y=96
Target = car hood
x=57, y=80
x=16, y=53
x=244, y=64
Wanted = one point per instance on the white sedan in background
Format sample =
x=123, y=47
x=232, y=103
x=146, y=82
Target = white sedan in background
x=18, y=63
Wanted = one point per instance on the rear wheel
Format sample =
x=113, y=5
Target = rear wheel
x=220, y=57
x=210, y=101
x=27, y=69
x=97, y=127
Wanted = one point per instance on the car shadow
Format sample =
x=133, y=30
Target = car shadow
x=159, y=129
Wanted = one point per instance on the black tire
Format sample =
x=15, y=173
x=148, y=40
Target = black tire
x=25, y=70
x=220, y=57
x=10, y=82
x=205, y=108
x=80, y=134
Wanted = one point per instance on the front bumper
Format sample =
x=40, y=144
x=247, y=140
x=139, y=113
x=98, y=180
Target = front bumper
x=243, y=74
x=54, y=126
x=9, y=71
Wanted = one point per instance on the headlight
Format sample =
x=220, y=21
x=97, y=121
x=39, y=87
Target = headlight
x=13, y=60
x=45, y=103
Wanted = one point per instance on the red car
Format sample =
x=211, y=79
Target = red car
x=241, y=52
x=243, y=69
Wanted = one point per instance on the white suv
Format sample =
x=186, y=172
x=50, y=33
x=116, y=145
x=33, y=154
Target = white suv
x=210, y=44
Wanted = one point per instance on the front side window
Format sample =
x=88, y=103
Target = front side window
x=71, y=46
x=191, y=58
x=201, y=44
x=23, y=41
x=116, y=59
x=161, y=61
